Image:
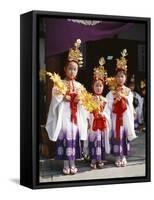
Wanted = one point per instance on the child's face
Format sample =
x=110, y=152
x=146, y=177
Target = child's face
x=71, y=70
x=98, y=87
x=121, y=78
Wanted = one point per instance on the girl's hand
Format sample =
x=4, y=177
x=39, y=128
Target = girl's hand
x=100, y=115
x=67, y=98
x=118, y=96
x=76, y=99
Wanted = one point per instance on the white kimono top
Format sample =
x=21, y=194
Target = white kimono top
x=108, y=128
x=59, y=116
x=128, y=115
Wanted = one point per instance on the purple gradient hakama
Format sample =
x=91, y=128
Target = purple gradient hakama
x=120, y=147
x=97, y=146
x=68, y=146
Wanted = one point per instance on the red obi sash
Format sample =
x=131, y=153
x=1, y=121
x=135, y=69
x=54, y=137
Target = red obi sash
x=99, y=122
x=119, y=108
x=73, y=107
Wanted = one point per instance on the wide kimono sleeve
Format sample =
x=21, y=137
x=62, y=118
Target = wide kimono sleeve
x=82, y=116
x=54, y=123
x=107, y=114
x=128, y=117
x=108, y=111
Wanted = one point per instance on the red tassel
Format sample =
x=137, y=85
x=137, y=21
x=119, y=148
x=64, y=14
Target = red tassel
x=73, y=106
x=99, y=122
x=119, y=108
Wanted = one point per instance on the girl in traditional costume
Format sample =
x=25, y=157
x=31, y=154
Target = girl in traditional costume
x=98, y=135
x=67, y=119
x=137, y=103
x=120, y=105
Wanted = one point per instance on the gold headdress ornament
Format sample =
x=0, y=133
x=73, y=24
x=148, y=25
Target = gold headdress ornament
x=75, y=53
x=122, y=62
x=99, y=72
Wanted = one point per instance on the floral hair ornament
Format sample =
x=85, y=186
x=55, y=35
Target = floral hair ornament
x=122, y=62
x=75, y=54
x=99, y=72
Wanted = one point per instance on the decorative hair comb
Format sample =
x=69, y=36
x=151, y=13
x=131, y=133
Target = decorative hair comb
x=75, y=53
x=99, y=72
x=122, y=62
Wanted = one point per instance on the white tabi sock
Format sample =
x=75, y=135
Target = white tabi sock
x=93, y=161
x=72, y=163
x=66, y=164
